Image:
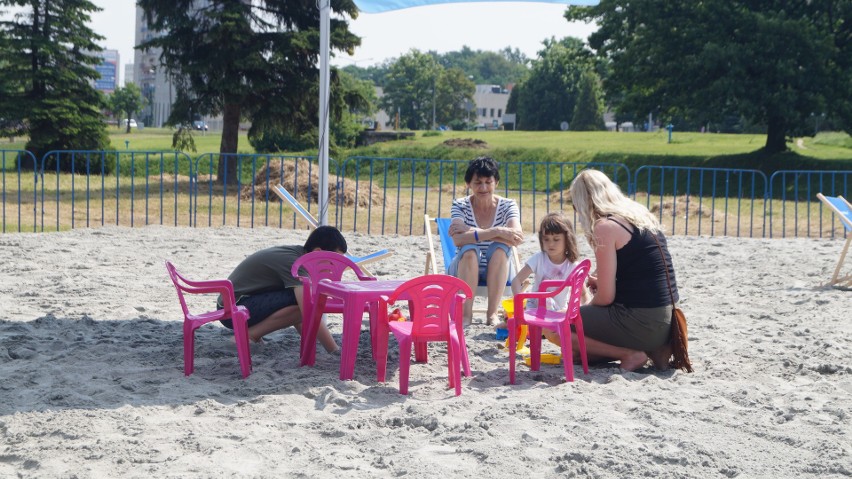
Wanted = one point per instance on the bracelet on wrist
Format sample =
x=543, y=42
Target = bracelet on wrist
x=476, y=236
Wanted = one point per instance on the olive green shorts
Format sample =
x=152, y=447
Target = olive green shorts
x=643, y=329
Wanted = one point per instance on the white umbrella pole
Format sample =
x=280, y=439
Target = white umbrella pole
x=325, y=26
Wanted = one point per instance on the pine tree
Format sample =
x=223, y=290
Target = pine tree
x=50, y=54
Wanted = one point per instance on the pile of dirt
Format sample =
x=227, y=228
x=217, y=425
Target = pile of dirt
x=465, y=143
x=342, y=194
x=694, y=209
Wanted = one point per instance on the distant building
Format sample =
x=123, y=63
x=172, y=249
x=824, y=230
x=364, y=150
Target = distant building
x=128, y=73
x=490, y=102
x=108, y=70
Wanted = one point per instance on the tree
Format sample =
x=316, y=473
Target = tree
x=588, y=110
x=351, y=100
x=408, y=89
x=417, y=86
x=48, y=76
x=547, y=97
x=770, y=62
x=127, y=100
x=256, y=60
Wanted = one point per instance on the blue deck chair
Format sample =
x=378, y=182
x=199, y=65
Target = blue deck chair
x=840, y=207
x=285, y=195
x=449, y=250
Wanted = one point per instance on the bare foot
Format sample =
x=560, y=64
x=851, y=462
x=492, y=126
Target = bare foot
x=467, y=321
x=501, y=325
x=661, y=357
x=492, y=320
x=634, y=361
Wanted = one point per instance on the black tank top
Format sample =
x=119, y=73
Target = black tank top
x=640, y=277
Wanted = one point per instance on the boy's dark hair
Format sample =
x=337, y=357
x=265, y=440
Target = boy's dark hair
x=554, y=224
x=326, y=238
x=483, y=167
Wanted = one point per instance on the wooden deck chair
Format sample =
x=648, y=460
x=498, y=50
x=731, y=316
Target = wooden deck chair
x=843, y=210
x=285, y=195
x=449, y=249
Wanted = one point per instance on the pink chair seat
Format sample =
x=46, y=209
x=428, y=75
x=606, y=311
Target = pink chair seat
x=559, y=321
x=239, y=315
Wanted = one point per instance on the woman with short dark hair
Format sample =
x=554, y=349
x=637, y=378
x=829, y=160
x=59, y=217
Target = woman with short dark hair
x=484, y=227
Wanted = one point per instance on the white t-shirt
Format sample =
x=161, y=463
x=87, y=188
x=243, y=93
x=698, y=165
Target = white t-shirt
x=545, y=270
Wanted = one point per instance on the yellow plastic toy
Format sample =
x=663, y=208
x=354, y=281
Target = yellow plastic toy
x=545, y=359
x=521, y=348
x=508, y=312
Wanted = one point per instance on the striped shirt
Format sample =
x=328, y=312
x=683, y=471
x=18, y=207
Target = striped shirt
x=506, y=210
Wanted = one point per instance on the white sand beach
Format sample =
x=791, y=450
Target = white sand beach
x=92, y=383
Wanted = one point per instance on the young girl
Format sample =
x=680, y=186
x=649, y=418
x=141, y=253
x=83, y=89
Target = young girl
x=558, y=257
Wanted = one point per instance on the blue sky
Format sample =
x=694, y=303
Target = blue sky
x=481, y=26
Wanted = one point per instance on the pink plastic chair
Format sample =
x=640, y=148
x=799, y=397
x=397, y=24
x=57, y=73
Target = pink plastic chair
x=435, y=310
x=238, y=314
x=558, y=321
x=323, y=265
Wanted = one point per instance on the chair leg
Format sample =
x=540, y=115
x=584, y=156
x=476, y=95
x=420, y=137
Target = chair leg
x=567, y=352
x=404, y=363
x=243, y=350
x=454, y=350
x=513, y=341
x=420, y=353
x=464, y=357
x=534, y=333
x=380, y=351
x=581, y=342
x=840, y=262
x=188, y=349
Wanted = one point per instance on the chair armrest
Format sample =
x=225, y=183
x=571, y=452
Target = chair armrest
x=552, y=283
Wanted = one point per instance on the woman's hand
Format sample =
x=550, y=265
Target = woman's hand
x=592, y=283
x=457, y=227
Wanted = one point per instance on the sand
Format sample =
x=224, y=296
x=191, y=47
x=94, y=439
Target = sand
x=92, y=384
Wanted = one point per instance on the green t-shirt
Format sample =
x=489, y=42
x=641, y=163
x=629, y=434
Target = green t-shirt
x=266, y=270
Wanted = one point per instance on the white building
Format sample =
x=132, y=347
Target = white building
x=490, y=102
x=156, y=86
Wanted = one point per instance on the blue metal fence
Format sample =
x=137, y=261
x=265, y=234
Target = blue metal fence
x=375, y=195
x=793, y=207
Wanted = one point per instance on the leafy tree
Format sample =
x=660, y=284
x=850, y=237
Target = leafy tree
x=48, y=75
x=588, y=111
x=351, y=100
x=408, y=89
x=497, y=68
x=548, y=96
x=255, y=60
x=127, y=100
x=417, y=86
x=454, y=97
x=766, y=61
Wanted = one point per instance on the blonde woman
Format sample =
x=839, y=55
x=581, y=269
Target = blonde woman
x=629, y=316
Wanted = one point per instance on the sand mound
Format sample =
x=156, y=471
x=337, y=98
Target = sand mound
x=346, y=193
x=465, y=143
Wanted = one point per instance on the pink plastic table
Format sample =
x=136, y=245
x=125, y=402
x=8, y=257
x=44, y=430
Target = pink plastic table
x=355, y=296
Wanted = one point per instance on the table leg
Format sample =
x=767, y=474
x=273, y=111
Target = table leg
x=352, y=314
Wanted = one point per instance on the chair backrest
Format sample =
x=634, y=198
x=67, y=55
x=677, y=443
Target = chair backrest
x=447, y=246
x=449, y=249
x=840, y=207
x=577, y=281
x=285, y=195
x=223, y=287
x=433, y=300
x=320, y=265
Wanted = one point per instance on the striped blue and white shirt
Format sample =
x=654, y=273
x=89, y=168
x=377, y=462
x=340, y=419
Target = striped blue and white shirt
x=506, y=210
